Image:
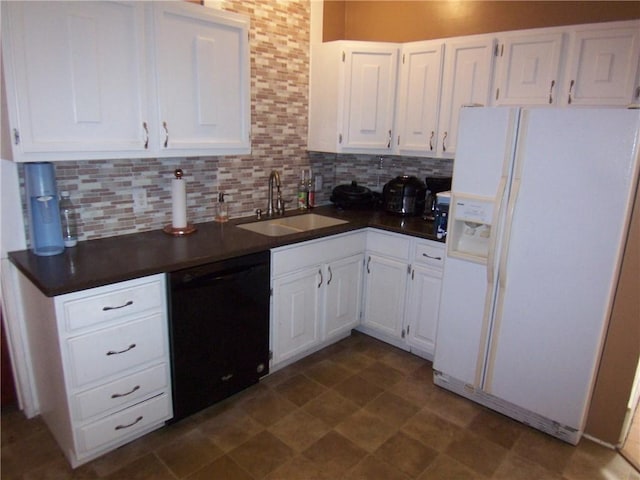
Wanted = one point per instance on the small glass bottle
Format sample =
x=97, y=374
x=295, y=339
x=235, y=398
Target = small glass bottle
x=69, y=220
x=303, y=192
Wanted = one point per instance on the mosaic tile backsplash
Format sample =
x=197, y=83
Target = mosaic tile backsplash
x=102, y=189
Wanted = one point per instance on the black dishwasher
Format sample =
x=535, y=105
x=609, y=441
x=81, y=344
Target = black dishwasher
x=219, y=330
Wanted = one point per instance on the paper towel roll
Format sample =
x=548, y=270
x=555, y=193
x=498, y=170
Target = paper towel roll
x=179, y=205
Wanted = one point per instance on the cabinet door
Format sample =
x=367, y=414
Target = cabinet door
x=369, y=98
x=422, y=308
x=419, y=98
x=529, y=69
x=466, y=81
x=343, y=295
x=603, y=66
x=202, y=61
x=385, y=284
x=76, y=79
x=296, y=312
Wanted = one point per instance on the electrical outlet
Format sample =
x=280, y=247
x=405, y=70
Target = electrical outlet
x=139, y=198
x=318, y=183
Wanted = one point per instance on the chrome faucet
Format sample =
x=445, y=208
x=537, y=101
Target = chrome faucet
x=274, y=180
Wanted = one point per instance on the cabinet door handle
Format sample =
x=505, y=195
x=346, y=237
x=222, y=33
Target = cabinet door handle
x=368, y=263
x=166, y=134
x=146, y=135
x=429, y=256
x=553, y=84
x=321, y=280
x=431, y=140
x=570, y=90
x=226, y=378
x=330, y=276
x=118, y=395
x=389, y=142
x=118, y=352
x=129, y=303
x=444, y=137
x=120, y=427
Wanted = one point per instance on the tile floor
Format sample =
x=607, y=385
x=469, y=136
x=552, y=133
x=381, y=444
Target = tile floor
x=359, y=409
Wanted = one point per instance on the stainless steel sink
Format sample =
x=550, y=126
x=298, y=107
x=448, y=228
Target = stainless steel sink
x=277, y=227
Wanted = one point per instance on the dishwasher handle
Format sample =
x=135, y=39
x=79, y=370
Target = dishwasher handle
x=201, y=276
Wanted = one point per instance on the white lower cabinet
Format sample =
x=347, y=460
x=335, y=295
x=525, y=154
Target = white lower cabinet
x=316, y=294
x=423, y=300
x=101, y=363
x=343, y=295
x=296, y=308
x=403, y=278
x=385, y=287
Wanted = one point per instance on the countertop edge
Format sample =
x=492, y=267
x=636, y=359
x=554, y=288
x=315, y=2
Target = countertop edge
x=58, y=275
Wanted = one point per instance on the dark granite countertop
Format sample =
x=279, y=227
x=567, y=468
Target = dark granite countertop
x=94, y=263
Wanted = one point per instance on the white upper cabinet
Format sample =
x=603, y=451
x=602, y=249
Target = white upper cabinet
x=202, y=61
x=528, y=68
x=89, y=80
x=418, y=98
x=352, y=96
x=468, y=68
x=76, y=78
x=603, y=65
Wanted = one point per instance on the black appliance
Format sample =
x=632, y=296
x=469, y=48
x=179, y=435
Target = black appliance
x=219, y=330
x=435, y=185
x=352, y=196
x=404, y=195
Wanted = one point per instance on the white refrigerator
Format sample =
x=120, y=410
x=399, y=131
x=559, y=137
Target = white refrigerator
x=541, y=200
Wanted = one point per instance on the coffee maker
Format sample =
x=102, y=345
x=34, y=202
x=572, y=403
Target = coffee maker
x=45, y=229
x=435, y=185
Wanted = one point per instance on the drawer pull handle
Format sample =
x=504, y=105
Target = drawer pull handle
x=120, y=427
x=226, y=378
x=118, y=395
x=429, y=256
x=106, y=309
x=113, y=352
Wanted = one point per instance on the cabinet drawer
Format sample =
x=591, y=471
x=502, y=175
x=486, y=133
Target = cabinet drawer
x=388, y=244
x=124, y=424
x=123, y=391
x=108, y=351
x=101, y=307
x=429, y=254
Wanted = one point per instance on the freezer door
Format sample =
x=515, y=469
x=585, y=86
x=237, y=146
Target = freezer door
x=570, y=203
x=482, y=170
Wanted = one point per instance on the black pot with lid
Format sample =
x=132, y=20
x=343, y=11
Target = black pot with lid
x=404, y=195
x=352, y=196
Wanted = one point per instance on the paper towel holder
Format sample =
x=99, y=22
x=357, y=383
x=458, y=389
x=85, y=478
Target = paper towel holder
x=170, y=229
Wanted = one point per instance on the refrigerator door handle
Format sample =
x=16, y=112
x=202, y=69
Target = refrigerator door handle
x=502, y=285
x=488, y=300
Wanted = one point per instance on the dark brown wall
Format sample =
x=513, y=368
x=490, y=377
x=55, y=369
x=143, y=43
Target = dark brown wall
x=622, y=346
x=405, y=21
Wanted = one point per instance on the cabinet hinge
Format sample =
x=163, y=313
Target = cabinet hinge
x=402, y=333
x=16, y=136
x=271, y=292
x=409, y=268
x=270, y=354
x=344, y=56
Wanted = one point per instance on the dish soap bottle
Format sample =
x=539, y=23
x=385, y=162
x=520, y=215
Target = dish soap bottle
x=311, y=194
x=69, y=220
